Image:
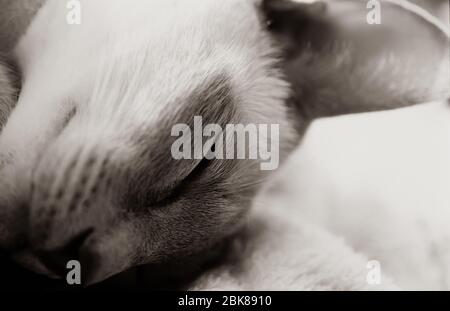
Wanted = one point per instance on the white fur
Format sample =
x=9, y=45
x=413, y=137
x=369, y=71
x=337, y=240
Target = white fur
x=64, y=66
x=284, y=252
x=352, y=204
x=382, y=189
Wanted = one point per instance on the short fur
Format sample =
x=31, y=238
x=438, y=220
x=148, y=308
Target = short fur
x=90, y=176
x=8, y=93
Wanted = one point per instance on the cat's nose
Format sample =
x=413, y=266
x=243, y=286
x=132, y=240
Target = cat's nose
x=73, y=210
x=70, y=197
x=68, y=209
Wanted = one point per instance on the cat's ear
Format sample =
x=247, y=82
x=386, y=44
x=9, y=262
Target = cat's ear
x=351, y=56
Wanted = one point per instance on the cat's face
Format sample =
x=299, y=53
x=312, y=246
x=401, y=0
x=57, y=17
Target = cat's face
x=86, y=165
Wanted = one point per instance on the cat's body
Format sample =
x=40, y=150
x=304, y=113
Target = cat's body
x=91, y=176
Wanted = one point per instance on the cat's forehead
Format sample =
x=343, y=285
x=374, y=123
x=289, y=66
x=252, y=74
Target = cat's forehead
x=190, y=49
x=136, y=74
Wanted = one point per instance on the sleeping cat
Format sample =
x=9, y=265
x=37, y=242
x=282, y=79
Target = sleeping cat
x=85, y=166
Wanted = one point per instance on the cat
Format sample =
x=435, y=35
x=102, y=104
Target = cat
x=85, y=166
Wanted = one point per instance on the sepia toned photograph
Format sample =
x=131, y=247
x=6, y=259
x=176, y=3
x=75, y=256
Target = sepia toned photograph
x=204, y=146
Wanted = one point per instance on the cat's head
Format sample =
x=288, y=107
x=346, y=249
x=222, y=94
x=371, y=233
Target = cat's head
x=86, y=162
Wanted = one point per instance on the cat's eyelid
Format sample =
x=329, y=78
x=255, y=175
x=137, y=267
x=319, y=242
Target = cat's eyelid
x=175, y=191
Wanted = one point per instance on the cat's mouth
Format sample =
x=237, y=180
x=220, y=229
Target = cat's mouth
x=56, y=260
x=55, y=263
x=90, y=257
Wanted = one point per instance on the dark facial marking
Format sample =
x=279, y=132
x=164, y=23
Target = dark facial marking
x=158, y=164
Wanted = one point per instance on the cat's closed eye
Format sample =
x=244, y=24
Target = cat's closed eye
x=162, y=196
x=183, y=186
